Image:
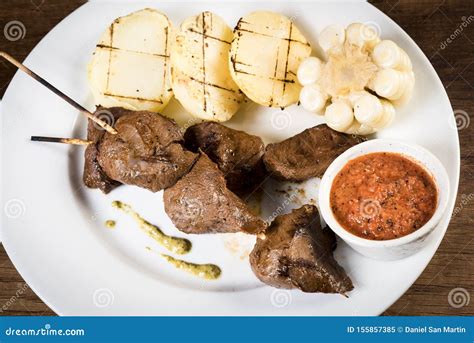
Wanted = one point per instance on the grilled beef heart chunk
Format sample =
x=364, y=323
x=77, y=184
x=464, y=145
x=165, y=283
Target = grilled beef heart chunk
x=147, y=151
x=307, y=154
x=297, y=253
x=94, y=176
x=237, y=154
x=201, y=203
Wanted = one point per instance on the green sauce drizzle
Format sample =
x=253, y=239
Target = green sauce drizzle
x=174, y=244
x=205, y=271
x=110, y=224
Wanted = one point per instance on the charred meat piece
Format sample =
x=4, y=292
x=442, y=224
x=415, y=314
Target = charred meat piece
x=307, y=154
x=237, y=154
x=94, y=176
x=147, y=152
x=297, y=253
x=201, y=203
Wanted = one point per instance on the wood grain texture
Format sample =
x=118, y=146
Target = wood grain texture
x=445, y=32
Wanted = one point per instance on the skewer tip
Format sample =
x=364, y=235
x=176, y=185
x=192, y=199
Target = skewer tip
x=63, y=96
x=72, y=141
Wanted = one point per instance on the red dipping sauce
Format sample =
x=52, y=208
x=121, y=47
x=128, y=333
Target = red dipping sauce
x=382, y=196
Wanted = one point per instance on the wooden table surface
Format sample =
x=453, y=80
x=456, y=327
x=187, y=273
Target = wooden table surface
x=445, y=32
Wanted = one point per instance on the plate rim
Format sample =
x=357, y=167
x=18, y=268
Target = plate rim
x=449, y=210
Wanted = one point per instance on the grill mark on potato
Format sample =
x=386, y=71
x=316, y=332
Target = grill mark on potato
x=204, y=61
x=233, y=57
x=276, y=62
x=133, y=97
x=102, y=46
x=264, y=76
x=267, y=35
x=241, y=21
x=111, y=48
x=165, y=63
x=234, y=62
x=287, y=57
x=288, y=77
x=208, y=36
x=275, y=70
x=213, y=85
x=215, y=95
x=110, y=55
x=166, y=40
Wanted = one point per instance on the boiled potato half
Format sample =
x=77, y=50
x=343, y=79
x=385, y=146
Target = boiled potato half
x=130, y=65
x=200, y=78
x=264, y=57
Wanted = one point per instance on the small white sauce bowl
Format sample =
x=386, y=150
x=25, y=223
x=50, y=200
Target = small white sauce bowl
x=398, y=248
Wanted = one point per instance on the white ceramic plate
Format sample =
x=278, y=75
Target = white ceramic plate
x=52, y=226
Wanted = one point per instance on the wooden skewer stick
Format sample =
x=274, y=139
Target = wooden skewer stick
x=73, y=141
x=63, y=96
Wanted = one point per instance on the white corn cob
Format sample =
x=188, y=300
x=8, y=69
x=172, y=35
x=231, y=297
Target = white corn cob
x=387, y=54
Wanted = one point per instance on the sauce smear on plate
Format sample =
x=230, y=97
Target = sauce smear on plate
x=383, y=196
